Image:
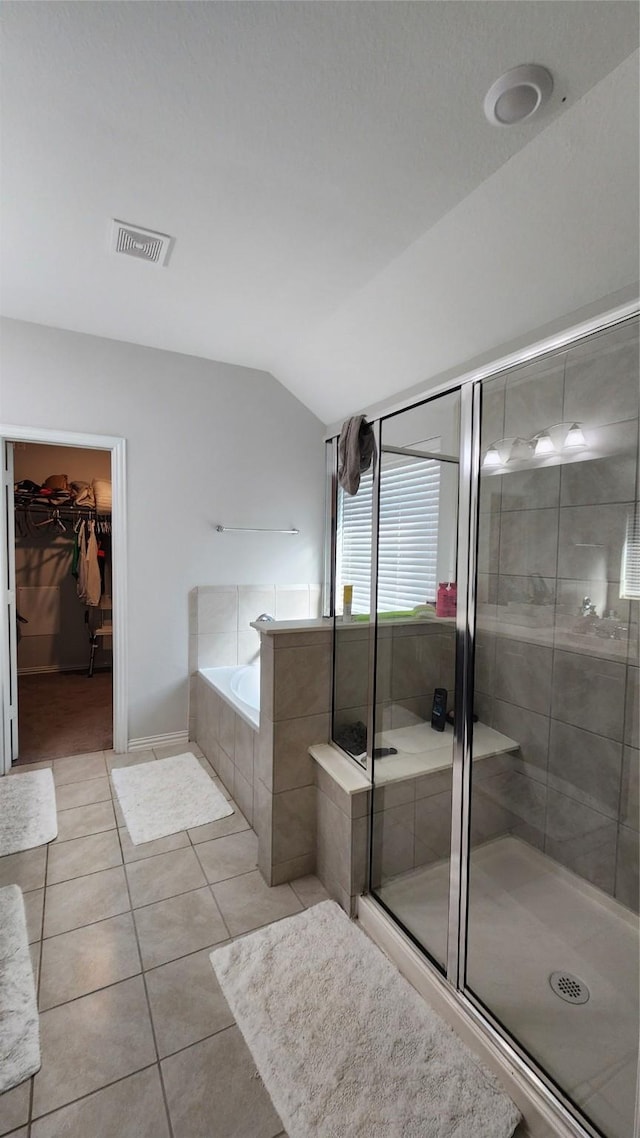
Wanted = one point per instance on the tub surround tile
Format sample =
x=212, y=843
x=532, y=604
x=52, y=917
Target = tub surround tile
x=243, y=793
x=248, y=647
x=243, y=748
x=629, y=799
x=253, y=600
x=217, y=609
x=533, y=396
x=227, y=729
x=529, y=542
x=533, y=489
x=292, y=765
x=294, y=824
x=217, y=650
x=289, y=871
x=301, y=682
x=587, y=398
x=632, y=709
x=610, y=479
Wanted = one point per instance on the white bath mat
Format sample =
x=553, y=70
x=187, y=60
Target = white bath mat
x=19, y=1026
x=167, y=796
x=345, y=1046
x=27, y=811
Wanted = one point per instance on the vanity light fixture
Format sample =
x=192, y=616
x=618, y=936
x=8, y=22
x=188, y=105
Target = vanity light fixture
x=492, y=458
x=575, y=437
x=543, y=445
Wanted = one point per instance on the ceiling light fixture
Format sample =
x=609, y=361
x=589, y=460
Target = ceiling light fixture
x=518, y=94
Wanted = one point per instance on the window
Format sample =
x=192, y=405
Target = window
x=408, y=546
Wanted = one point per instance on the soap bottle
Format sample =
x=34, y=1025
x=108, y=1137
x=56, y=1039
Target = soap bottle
x=347, y=600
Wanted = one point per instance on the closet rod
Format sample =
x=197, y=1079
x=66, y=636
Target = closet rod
x=252, y=529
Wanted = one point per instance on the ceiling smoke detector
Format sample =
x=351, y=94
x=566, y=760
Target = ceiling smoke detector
x=145, y=244
x=518, y=94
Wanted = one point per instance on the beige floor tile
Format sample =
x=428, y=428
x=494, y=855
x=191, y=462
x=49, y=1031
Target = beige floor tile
x=77, y=768
x=83, y=820
x=131, y=1108
x=80, y=856
x=86, y=959
x=150, y=849
x=14, y=1107
x=23, y=1132
x=177, y=749
x=187, y=1003
x=247, y=903
x=130, y=759
x=178, y=926
x=235, y=1099
x=227, y=857
x=165, y=875
x=309, y=890
x=33, y=904
x=73, y=794
x=85, y=900
x=90, y=1042
x=25, y=869
x=120, y=822
x=232, y=824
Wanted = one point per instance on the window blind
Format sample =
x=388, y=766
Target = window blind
x=408, y=546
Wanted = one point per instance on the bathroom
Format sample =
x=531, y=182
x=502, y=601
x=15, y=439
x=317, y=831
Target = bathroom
x=419, y=700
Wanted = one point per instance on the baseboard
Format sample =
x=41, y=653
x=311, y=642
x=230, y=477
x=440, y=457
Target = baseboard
x=543, y=1117
x=158, y=740
x=41, y=669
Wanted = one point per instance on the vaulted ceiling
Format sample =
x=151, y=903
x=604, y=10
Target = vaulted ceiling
x=344, y=215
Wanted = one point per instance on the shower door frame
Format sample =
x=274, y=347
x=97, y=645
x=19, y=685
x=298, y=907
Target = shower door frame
x=454, y=976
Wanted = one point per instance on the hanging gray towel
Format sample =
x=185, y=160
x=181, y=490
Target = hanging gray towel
x=356, y=449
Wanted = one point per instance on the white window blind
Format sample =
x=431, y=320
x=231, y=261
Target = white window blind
x=408, y=548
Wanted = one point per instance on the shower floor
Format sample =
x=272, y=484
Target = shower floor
x=529, y=917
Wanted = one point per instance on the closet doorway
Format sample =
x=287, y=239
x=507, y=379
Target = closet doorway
x=63, y=683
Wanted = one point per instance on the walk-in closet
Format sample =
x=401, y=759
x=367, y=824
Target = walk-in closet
x=63, y=558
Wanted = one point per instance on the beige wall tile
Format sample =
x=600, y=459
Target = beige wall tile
x=298, y=867
x=217, y=649
x=253, y=600
x=245, y=738
x=217, y=609
x=292, y=763
x=294, y=823
x=302, y=682
x=292, y=602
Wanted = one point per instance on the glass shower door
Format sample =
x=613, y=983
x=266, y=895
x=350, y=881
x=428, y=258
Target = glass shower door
x=415, y=668
x=552, y=931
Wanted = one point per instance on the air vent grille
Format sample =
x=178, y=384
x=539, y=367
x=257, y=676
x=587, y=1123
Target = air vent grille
x=144, y=244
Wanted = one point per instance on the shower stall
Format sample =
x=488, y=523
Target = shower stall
x=486, y=680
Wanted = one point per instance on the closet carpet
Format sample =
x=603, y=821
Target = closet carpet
x=64, y=713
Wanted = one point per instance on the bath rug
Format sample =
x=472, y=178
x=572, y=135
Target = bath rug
x=167, y=796
x=28, y=815
x=344, y=1045
x=19, y=1025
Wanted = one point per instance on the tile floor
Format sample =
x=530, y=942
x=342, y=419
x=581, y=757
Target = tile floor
x=137, y=1039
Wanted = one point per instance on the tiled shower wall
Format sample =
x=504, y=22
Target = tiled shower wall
x=565, y=686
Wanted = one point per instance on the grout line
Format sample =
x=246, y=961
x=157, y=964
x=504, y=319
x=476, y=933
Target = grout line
x=89, y=1094
x=149, y=1012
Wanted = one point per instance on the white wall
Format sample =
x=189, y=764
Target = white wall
x=206, y=442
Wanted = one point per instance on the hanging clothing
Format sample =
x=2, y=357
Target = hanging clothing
x=81, y=587
x=356, y=450
x=93, y=583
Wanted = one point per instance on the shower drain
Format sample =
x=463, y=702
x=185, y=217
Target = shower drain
x=569, y=987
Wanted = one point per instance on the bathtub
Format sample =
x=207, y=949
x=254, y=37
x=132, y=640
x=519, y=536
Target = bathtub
x=240, y=687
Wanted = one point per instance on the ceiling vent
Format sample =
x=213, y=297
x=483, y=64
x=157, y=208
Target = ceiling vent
x=145, y=244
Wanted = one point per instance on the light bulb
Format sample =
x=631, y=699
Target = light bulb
x=544, y=445
x=575, y=437
x=492, y=458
